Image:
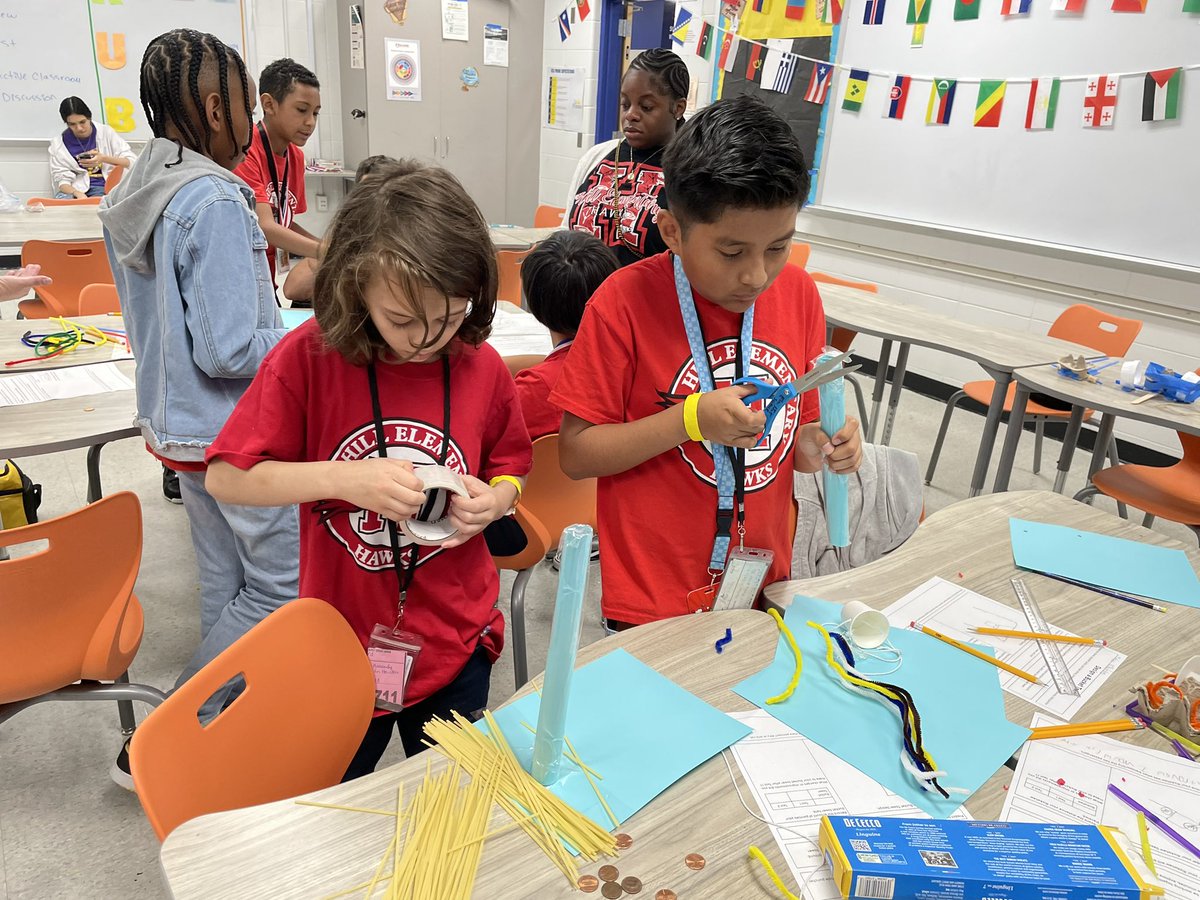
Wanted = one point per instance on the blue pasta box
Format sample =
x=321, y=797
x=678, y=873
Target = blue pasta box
x=952, y=859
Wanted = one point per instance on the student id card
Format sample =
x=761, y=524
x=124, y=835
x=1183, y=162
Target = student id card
x=392, y=655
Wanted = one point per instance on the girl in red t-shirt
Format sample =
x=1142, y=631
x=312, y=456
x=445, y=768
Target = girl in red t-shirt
x=395, y=357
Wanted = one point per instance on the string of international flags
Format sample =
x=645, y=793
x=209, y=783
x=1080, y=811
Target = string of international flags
x=773, y=66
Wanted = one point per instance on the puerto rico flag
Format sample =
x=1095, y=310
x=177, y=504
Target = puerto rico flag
x=818, y=83
x=941, y=101
x=899, y=98
x=873, y=12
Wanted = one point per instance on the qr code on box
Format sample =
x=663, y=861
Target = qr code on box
x=938, y=858
x=860, y=846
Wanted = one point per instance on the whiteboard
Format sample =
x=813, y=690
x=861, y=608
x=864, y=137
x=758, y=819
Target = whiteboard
x=1129, y=190
x=52, y=49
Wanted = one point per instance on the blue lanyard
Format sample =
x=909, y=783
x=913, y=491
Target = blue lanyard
x=723, y=464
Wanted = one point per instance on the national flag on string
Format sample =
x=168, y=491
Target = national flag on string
x=1160, y=97
x=898, y=98
x=1015, y=7
x=966, y=9
x=584, y=9
x=989, y=104
x=1071, y=6
x=941, y=102
x=758, y=5
x=832, y=13
x=873, y=12
x=564, y=25
x=754, y=62
x=1133, y=6
x=918, y=12
x=679, y=31
x=794, y=9
x=856, y=89
x=1043, y=104
x=1100, y=102
x=704, y=44
x=818, y=83
x=783, y=74
x=728, y=51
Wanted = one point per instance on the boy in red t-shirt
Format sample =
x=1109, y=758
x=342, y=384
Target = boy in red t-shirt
x=274, y=163
x=722, y=304
x=557, y=278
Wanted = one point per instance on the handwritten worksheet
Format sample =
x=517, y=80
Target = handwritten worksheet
x=1067, y=779
x=60, y=384
x=796, y=781
x=954, y=611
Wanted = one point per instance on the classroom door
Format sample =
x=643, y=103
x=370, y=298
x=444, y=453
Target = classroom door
x=353, y=81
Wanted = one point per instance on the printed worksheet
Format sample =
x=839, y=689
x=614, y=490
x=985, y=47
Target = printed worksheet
x=60, y=384
x=955, y=610
x=1067, y=779
x=795, y=782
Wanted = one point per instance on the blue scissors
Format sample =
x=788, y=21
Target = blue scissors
x=777, y=396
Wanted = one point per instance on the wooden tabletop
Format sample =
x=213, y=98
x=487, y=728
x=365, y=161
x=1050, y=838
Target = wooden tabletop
x=507, y=237
x=997, y=349
x=968, y=544
x=284, y=850
x=1109, y=398
x=54, y=223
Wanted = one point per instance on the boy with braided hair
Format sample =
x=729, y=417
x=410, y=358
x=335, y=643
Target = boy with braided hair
x=189, y=261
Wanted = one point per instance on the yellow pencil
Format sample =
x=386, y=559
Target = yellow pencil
x=1038, y=636
x=1078, y=728
x=1144, y=834
x=978, y=654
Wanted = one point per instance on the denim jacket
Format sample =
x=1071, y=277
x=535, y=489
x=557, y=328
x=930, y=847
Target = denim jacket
x=190, y=265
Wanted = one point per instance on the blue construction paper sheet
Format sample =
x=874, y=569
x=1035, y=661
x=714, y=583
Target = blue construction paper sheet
x=1130, y=567
x=641, y=731
x=958, y=698
x=294, y=318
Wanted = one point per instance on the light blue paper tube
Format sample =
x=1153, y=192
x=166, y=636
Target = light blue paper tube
x=837, y=487
x=576, y=544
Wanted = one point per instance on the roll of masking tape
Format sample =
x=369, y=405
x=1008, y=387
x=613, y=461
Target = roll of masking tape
x=868, y=627
x=431, y=525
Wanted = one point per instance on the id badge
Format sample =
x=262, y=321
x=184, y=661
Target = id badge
x=283, y=261
x=745, y=572
x=701, y=599
x=392, y=655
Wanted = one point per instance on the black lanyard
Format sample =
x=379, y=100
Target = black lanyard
x=406, y=568
x=280, y=192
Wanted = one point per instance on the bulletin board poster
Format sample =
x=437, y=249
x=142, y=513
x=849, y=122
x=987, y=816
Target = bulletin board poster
x=403, y=61
x=564, y=97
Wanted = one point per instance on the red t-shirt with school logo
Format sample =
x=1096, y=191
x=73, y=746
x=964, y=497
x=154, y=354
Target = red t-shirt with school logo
x=308, y=404
x=257, y=174
x=631, y=360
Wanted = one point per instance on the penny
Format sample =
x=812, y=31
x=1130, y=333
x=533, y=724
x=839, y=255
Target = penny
x=611, y=890
x=588, y=883
x=609, y=873
x=694, y=861
x=624, y=841
x=665, y=894
x=632, y=885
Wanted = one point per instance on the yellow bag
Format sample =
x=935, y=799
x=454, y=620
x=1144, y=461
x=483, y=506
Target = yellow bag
x=19, y=496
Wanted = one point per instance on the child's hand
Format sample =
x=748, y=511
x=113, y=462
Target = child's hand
x=842, y=454
x=384, y=486
x=471, y=515
x=725, y=419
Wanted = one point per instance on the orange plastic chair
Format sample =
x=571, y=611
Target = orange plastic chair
x=114, y=178
x=551, y=501
x=842, y=338
x=71, y=622
x=294, y=729
x=73, y=265
x=1080, y=324
x=1167, y=492
x=98, y=299
x=63, y=201
x=548, y=216
x=508, y=268
x=799, y=254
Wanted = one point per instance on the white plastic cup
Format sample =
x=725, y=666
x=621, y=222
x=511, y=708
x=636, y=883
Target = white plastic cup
x=868, y=627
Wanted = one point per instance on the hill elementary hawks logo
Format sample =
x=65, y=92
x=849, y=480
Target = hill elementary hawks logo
x=364, y=534
x=767, y=363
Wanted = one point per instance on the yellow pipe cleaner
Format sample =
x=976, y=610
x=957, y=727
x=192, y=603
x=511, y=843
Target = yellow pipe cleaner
x=787, y=633
x=755, y=853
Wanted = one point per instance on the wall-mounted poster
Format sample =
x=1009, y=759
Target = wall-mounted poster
x=403, y=61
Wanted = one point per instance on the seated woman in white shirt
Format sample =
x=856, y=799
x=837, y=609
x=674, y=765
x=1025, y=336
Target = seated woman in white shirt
x=83, y=156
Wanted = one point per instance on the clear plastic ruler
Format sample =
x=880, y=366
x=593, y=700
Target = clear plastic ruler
x=1050, y=650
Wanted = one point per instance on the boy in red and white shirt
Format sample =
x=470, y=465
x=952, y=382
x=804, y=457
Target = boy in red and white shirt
x=735, y=179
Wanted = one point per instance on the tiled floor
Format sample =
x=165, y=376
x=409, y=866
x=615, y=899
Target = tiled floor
x=67, y=831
